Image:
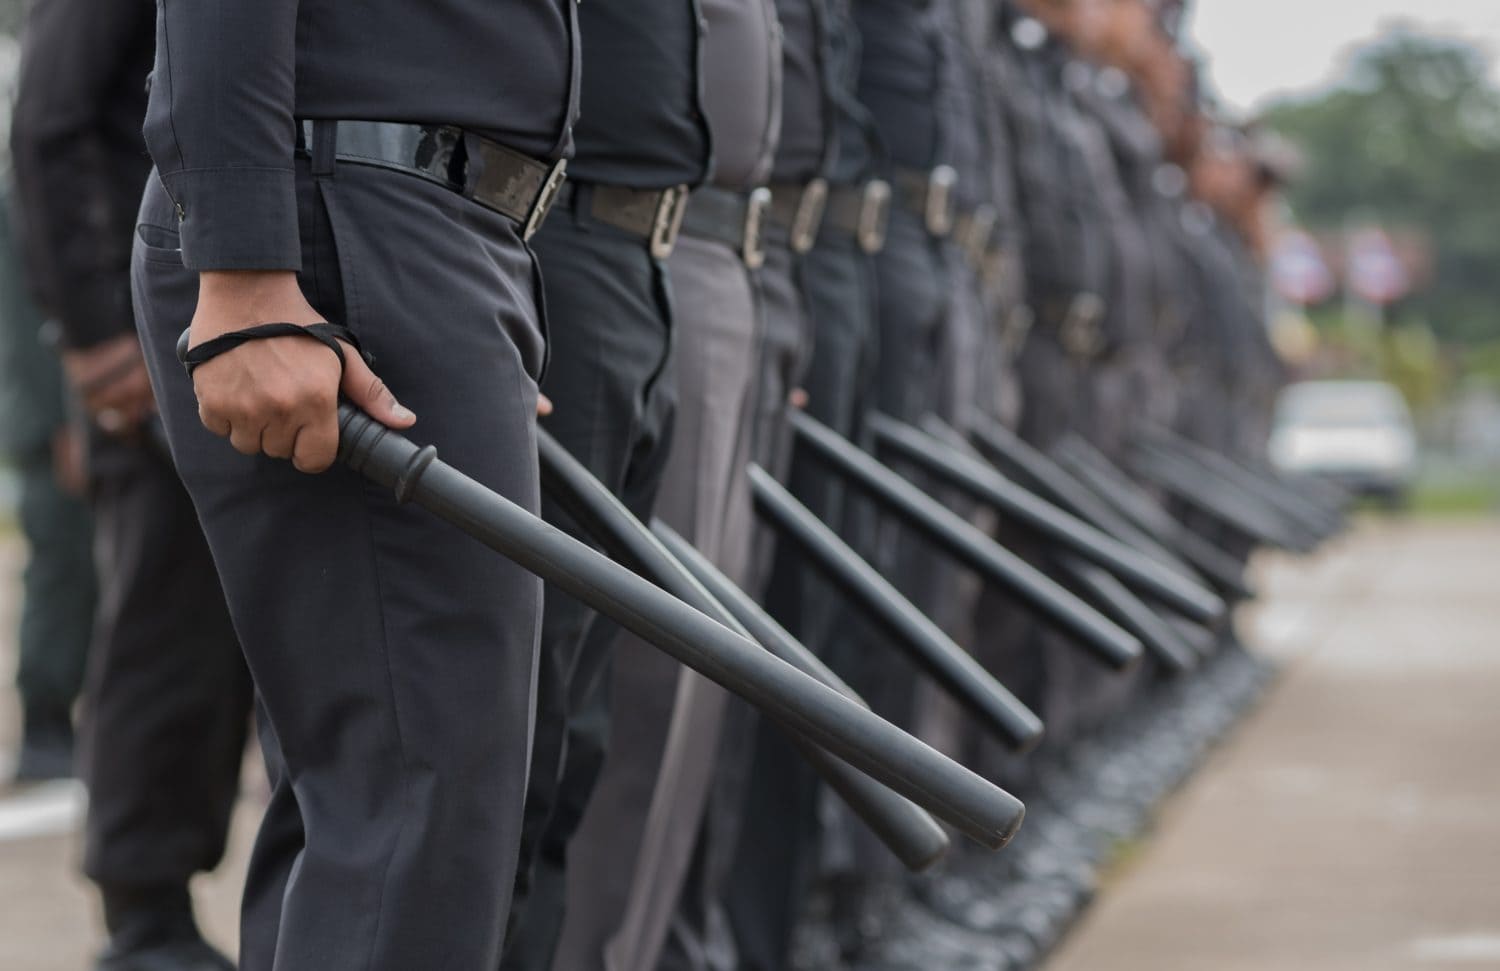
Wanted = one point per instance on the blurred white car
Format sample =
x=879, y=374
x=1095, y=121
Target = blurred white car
x=1357, y=433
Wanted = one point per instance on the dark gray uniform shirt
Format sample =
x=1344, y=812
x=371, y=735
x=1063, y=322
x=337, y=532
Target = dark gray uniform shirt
x=636, y=48
x=858, y=152
x=899, y=77
x=961, y=118
x=805, y=146
x=742, y=89
x=231, y=77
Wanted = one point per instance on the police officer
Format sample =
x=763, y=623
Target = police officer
x=784, y=344
x=776, y=861
x=642, y=142
x=168, y=694
x=900, y=84
x=1068, y=275
x=380, y=172
x=638, y=833
x=57, y=605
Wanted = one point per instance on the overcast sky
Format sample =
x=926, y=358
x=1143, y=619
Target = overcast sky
x=1261, y=48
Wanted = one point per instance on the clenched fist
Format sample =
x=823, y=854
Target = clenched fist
x=278, y=396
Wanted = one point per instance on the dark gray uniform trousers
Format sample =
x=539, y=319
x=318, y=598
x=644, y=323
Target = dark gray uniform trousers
x=1048, y=673
x=57, y=606
x=912, y=305
x=952, y=592
x=702, y=933
x=167, y=693
x=609, y=318
x=393, y=656
x=635, y=845
x=775, y=862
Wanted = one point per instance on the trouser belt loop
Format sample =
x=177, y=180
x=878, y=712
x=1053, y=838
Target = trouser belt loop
x=323, y=146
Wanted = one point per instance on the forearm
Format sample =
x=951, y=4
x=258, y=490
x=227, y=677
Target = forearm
x=220, y=129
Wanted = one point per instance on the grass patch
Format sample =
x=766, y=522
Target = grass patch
x=1457, y=491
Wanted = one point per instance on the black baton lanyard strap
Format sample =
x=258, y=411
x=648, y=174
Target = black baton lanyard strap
x=329, y=335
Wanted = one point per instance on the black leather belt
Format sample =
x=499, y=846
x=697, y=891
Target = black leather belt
x=735, y=218
x=651, y=215
x=928, y=195
x=495, y=176
x=797, y=212
x=859, y=212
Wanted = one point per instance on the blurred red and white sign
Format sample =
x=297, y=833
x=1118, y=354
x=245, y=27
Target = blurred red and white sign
x=1298, y=270
x=1374, y=270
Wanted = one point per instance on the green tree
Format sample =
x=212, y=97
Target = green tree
x=1411, y=139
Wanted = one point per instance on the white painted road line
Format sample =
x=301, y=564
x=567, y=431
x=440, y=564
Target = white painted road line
x=49, y=809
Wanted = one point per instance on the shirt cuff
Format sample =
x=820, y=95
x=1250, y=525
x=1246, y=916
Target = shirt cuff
x=237, y=218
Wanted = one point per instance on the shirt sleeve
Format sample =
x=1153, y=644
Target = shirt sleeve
x=220, y=129
x=74, y=221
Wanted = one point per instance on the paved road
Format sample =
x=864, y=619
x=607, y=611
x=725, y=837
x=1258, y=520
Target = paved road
x=1353, y=822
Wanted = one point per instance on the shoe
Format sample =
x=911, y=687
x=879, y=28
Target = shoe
x=187, y=955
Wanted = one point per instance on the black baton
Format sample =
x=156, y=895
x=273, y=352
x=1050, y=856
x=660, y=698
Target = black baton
x=981, y=810
x=1095, y=632
x=906, y=830
x=916, y=839
x=955, y=465
x=1103, y=504
x=954, y=669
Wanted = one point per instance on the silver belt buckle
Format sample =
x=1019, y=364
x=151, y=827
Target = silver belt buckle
x=753, y=239
x=667, y=221
x=980, y=228
x=874, y=216
x=937, y=208
x=809, y=215
x=545, y=197
x=1018, y=324
x=1080, y=334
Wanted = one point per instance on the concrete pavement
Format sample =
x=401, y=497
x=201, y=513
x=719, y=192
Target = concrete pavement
x=1353, y=822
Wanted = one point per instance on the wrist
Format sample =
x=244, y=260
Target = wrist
x=231, y=300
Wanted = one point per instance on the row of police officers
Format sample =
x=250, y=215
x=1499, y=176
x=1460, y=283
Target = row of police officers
x=660, y=229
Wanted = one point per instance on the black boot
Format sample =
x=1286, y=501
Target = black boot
x=152, y=929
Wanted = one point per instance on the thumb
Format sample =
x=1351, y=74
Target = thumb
x=365, y=390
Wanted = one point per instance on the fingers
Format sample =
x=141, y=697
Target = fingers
x=366, y=391
x=543, y=405
x=279, y=439
x=317, y=444
x=246, y=436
